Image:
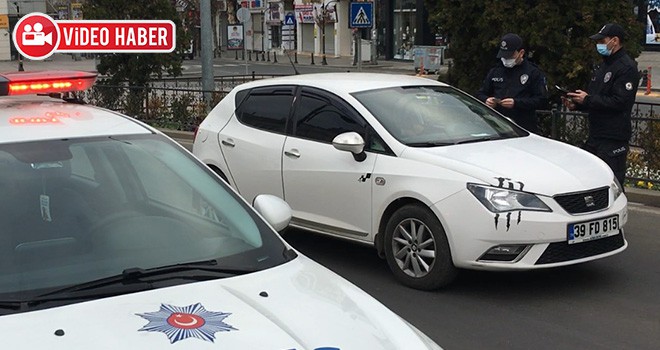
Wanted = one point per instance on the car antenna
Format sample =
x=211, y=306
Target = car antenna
x=292, y=65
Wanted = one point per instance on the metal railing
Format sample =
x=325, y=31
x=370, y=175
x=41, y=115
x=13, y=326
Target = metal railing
x=644, y=156
x=171, y=103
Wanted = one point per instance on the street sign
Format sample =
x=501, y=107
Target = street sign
x=243, y=15
x=290, y=19
x=362, y=15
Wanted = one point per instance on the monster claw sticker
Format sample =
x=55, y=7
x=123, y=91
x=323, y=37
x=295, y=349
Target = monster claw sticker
x=507, y=183
x=192, y=321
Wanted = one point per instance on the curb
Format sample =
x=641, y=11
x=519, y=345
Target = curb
x=654, y=93
x=647, y=197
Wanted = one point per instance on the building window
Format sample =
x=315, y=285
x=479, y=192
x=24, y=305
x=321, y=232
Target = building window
x=405, y=28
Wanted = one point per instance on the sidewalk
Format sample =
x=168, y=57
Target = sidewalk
x=66, y=62
x=646, y=60
x=54, y=62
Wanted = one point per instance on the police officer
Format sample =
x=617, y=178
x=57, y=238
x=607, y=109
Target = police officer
x=515, y=87
x=609, y=99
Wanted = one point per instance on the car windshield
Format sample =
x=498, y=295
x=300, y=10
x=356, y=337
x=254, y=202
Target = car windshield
x=74, y=211
x=426, y=116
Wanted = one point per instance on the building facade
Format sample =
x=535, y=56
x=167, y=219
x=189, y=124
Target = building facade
x=306, y=26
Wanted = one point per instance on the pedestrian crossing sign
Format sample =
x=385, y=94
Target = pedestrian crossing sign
x=362, y=14
x=289, y=19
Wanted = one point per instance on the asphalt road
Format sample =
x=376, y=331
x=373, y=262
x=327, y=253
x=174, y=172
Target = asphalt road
x=607, y=304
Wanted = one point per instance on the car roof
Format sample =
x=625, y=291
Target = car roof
x=347, y=82
x=33, y=118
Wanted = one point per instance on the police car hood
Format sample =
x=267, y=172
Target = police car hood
x=535, y=163
x=298, y=305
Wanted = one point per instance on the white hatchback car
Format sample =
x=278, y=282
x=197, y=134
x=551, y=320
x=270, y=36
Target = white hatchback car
x=113, y=236
x=427, y=174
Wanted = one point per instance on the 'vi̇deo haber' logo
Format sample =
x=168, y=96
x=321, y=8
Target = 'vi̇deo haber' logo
x=37, y=36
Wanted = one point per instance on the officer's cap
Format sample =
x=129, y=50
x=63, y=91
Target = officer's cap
x=610, y=30
x=509, y=44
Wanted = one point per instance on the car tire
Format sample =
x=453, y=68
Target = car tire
x=417, y=250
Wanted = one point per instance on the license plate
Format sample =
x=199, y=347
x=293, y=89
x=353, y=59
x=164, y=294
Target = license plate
x=591, y=230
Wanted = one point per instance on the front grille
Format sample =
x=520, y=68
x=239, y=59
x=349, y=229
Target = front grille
x=584, y=202
x=562, y=251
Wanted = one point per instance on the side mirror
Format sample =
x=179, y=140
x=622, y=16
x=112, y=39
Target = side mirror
x=275, y=210
x=350, y=142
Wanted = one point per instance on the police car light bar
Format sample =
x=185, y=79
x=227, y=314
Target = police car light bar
x=44, y=82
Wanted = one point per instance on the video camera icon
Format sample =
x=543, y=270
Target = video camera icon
x=36, y=37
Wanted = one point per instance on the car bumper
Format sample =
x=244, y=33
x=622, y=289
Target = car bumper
x=542, y=237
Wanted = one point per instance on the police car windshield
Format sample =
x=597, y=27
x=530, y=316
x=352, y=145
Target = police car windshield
x=429, y=116
x=74, y=211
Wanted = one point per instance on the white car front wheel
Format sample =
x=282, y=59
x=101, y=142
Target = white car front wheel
x=417, y=250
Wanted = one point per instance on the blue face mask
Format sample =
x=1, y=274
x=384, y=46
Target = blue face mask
x=603, y=50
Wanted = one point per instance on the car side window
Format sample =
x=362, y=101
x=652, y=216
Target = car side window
x=319, y=118
x=267, y=108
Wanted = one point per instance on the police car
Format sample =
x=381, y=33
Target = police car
x=427, y=174
x=112, y=236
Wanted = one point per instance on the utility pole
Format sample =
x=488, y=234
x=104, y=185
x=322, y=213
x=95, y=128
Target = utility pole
x=324, y=13
x=207, y=50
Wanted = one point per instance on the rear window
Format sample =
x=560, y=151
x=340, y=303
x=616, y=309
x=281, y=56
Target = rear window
x=266, y=108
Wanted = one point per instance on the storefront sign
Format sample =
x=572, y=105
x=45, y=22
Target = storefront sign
x=76, y=11
x=254, y=4
x=304, y=13
x=653, y=23
x=274, y=13
x=235, y=37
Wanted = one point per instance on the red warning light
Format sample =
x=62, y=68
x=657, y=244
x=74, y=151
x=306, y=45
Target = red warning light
x=25, y=83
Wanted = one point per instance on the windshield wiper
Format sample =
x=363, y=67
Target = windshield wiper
x=11, y=304
x=429, y=144
x=137, y=279
x=479, y=139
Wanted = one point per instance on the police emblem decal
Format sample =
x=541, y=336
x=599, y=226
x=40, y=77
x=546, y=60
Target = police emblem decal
x=524, y=78
x=503, y=44
x=192, y=321
x=629, y=86
x=608, y=75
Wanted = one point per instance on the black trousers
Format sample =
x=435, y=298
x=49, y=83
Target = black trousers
x=612, y=152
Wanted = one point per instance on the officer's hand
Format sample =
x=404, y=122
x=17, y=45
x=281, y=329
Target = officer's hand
x=491, y=102
x=568, y=103
x=507, y=103
x=578, y=96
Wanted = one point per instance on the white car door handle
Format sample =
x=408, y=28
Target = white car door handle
x=228, y=143
x=292, y=153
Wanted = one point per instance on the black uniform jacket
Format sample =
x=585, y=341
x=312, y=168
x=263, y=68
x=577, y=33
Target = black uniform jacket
x=611, y=96
x=525, y=83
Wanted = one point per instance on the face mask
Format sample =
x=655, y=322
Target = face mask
x=603, y=50
x=508, y=62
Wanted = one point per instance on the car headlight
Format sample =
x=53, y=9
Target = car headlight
x=616, y=188
x=497, y=199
